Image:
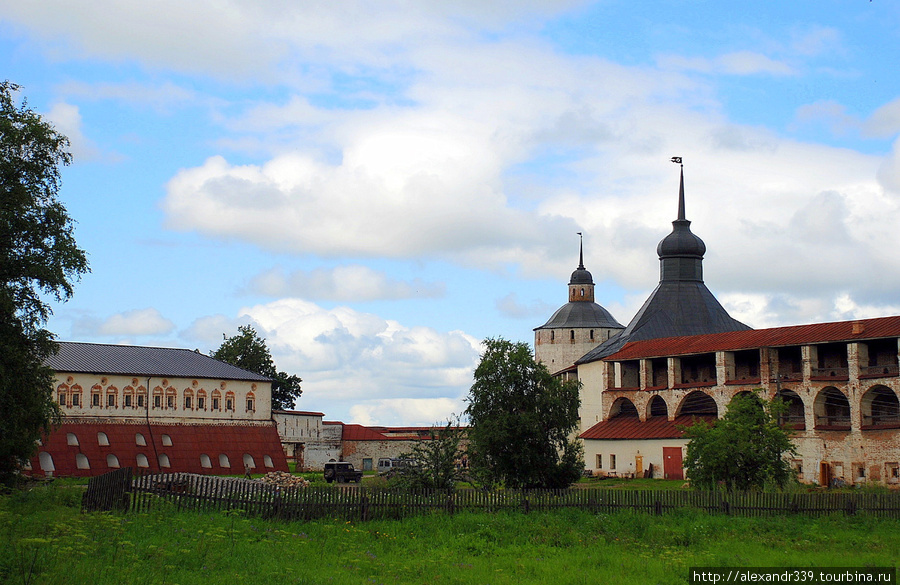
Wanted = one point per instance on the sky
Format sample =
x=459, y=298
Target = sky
x=377, y=187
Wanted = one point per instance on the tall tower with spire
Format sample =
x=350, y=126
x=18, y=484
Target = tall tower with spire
x=577, y=327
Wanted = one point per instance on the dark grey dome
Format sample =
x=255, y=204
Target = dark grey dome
x=681, y=242
x=581, y=276
x=582, y=315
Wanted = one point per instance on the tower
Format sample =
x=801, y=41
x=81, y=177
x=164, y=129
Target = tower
x=577, y=327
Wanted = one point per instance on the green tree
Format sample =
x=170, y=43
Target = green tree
x=521, y=420
x=437, y=460
x=744, y=450
x=38, y=260
x=249, y=351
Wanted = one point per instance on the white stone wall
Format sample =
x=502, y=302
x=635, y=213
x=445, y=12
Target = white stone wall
x=626, y=454
x=89, y=396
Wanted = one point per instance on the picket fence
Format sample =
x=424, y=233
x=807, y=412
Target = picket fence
x=126, y=491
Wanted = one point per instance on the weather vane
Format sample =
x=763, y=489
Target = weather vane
x=676, y=160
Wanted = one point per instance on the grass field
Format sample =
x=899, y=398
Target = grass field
x=47, y=540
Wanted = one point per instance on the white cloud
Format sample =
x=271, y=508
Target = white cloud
x=510, y=306
x=341, y=283
x=406, y=412
x=66, y=118
x=138, y=322
x=736, y=63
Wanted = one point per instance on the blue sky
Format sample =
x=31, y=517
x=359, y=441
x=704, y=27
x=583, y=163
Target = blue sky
x=378, y=186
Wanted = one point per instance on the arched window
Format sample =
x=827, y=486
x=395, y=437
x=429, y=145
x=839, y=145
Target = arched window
x=188, y=399
x=248, y=461
x=552, y=335
x=582, y=291
x=81, y=461
x=205, y=461
x=112, y=461
x=251, y=402
x=157, y=397
x=592, y=335
x=223, y=460
x=141, y=397
x=216, y=399
x=267, y=461
x=794, y=414
x=623, y=407
x=142, y=460
x=112, y=396
x=229, y=401
x=880, y=407
x=102, y=439
x=166, y=441
x=76, y=395
x=62, y=392
x=96, y=396
x=139, y=440
x=658, y=407
x=71, y=439
x=171, y=397
x=164, y=460
x=201, y=399
x=46, y=461
x=128, y=396
x=572, y=335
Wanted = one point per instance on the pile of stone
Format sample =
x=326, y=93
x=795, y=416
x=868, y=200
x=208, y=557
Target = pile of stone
x=283, y=479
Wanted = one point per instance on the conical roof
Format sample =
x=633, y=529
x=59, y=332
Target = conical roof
x=681, y=304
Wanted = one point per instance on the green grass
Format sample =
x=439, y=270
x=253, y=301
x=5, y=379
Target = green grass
x=46, y=539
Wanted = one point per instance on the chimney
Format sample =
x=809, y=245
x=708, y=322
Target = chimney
x=858, y=327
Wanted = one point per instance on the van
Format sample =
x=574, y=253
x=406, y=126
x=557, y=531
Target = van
x=387, y=465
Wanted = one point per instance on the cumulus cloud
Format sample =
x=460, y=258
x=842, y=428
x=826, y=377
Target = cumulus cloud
x=342, y=283
x=66, y=118
x=135, y=323
x=406, y=412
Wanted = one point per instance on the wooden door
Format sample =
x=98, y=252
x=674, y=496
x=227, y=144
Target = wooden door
x=672, y=463
x=824, y=474
x=638, y=465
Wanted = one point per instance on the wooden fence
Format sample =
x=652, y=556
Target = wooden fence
x=120, y=490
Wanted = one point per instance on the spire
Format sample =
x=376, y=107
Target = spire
x=681, y=194
x=681, y=252
x=581, y=252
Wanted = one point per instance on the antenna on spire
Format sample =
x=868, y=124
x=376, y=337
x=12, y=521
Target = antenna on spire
x=677, y=160
x=581, y=252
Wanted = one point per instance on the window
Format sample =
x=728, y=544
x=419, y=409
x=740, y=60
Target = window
x=81, y=461
x=71, y=439
x=46, y=461
x=164, y=460
x=166, y=441
x=267, y=461
x=140, y=401
x=201, y=403
x=142, y=460
x=205, y=461
x=599, y=461
x=139, y=440
x=110, y=400
x=170, y=402
x=112, y=461
x=248, y=461
x=251, y=406
x=157, y=401
x=592, y=335
x=229, y=404
x=612, y=461
x=215, y=403
x=95, y=399
x=223, y=460
x=62, y=398
x=128, y=400
x=102, y=439
x=76, y=399
x=188, y=400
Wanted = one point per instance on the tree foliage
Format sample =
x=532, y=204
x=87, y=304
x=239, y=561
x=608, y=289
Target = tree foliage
x=744, y=450
x=249, y=351
x=437, y=460
x=38, y=259
x=521, y=419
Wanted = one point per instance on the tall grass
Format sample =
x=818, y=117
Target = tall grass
x=45, y=539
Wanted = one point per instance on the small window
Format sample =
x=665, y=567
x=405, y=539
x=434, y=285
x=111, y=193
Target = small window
x=142, y=460
x=612, y=461
x=205, y=461
x=76, y=399
x=229, y=404
x=139, y=440
x=201, y=403
x=188, y=403
x=46, y=461
x=599, y=461
x=250, y=405
x=248, y=461
x=110, y=400
x=112, y=461
x=223, y=460
x=572, y=335
x=170, y=402
x=166, y=441
x=71, y=439
x=215, y=404
x=164, y=460
x=157, y=402
x=141, y=401
x=62, y=398
x=267, y=461
x=102, y=439
x=95, y=400
x=81, y=461
x=592, y=335
x=128, y=400
x=552, y=335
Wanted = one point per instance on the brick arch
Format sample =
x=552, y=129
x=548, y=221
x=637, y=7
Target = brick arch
x=622, y=406
x=795, y=408
x=880, y=407
x=832, y=409
x=657, y=406
x=698, y=403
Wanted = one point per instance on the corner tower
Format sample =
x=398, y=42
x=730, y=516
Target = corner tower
x=577, y=327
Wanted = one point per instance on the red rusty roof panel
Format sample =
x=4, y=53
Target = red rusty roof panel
x=631, y=427
x=859, y=330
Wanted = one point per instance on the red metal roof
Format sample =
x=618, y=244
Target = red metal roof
x=858, y=330
x=631, y=427
x=361, y=433
x=299, y=412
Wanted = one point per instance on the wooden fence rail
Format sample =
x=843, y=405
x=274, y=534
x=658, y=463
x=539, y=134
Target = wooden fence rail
x=122, y=490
